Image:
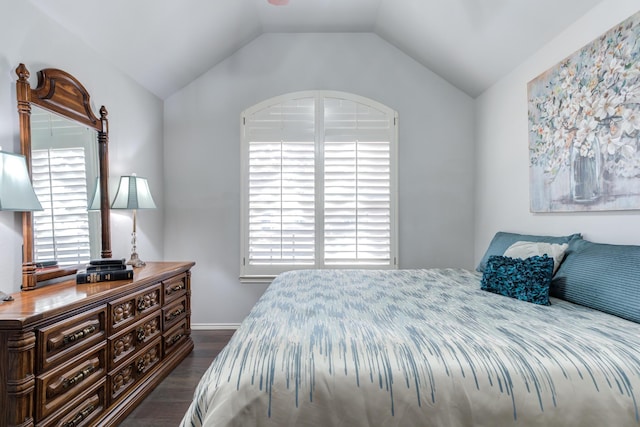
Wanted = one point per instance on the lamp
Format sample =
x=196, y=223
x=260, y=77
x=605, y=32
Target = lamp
x=16, y=191
x=133, y=193
x=94, y=203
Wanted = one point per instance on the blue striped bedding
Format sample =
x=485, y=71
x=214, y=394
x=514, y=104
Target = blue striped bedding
x=418, y=348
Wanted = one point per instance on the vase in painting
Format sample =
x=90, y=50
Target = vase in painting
x=586, y=186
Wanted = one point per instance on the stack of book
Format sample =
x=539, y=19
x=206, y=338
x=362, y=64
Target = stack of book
x=104, y=270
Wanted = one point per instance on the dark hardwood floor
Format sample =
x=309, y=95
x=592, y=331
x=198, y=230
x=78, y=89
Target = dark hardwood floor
x=166, y=405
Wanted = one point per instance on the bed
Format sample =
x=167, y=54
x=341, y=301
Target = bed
x=419, y=348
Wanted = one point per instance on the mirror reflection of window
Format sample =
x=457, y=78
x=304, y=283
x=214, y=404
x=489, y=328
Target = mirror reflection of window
x=64, y=170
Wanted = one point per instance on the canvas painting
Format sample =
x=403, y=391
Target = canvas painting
x=584, y=127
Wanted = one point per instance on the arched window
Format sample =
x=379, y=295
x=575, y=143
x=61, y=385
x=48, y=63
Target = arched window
x=318, y=184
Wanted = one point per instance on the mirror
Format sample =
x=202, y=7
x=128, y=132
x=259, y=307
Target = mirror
x=64, y=171
x=62, y=140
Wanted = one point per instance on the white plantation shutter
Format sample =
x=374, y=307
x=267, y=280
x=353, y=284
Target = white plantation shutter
x=357, y=184
x=281, y=184
x=318, y=184
x=61, y=230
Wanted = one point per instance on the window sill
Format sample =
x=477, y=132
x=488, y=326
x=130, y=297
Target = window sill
x=257, y=279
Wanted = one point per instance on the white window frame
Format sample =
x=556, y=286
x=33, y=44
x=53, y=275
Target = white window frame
x=264, y=273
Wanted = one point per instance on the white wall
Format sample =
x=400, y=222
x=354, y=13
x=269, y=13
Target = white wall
x=135, y=118
x=202, y=155
x=502, y=177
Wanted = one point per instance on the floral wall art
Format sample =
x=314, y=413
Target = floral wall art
x=584, y=127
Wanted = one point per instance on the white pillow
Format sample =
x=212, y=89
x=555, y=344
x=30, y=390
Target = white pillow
x=525, y=250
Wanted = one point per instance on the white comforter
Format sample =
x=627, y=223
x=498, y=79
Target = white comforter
x=418, y=348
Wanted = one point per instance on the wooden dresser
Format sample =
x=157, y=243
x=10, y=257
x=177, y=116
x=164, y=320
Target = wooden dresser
x=79, y=355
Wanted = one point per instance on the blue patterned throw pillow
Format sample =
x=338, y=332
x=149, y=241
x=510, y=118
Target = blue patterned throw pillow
x=524, y=279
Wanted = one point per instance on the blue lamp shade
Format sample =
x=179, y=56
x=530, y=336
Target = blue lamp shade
x=94, y=203
x=133, y=193
x=16, y=191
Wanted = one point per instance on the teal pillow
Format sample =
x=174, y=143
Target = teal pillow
x=502, y=240
x=601, y=276
x=524, y=279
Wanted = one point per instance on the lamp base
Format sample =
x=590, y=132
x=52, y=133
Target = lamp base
x=135, y=261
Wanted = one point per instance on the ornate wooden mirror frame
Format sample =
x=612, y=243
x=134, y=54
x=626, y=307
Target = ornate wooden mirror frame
x=61, y=93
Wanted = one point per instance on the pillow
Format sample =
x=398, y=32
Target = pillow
x=601, y=276
x=524, y=279
x=528, y=249
x=501, y=241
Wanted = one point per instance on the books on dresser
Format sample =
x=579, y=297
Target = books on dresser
x=104, y=270
x=84, y=276
x=103, y=262
x=106, y=267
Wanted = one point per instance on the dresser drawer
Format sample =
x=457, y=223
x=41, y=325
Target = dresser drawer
x=129, y=309
x=68, y=338
x=174, y=287
x=176, y=335
x=133, y=370
x=127, y=342
x=173, y=312
x=58, y=386
x=82, y=411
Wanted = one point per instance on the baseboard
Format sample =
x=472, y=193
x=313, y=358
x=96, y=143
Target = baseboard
x=214, y=326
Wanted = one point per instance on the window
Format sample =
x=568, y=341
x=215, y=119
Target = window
x=61, y=230
x=318, y=184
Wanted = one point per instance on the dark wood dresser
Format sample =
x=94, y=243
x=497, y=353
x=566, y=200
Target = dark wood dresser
x=79, y=355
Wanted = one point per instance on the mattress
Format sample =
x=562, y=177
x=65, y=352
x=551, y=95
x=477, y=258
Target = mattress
x=418, y=348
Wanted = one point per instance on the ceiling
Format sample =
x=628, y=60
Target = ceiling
x=165, y=44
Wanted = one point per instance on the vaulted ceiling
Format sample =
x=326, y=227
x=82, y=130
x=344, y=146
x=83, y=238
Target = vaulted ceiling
x=165, y=44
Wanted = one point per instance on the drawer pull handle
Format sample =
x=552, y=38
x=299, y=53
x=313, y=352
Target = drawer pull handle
x=75, y=336
x=80, y=416
x=72, y=335
x=141, y=304
x=147, y=301
x=147, y=360
x=70, y=382
x=63, y=384
x=140, y=365
x=176, y=288
x=140, y=334
x=175, y=313
x=174, y=339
